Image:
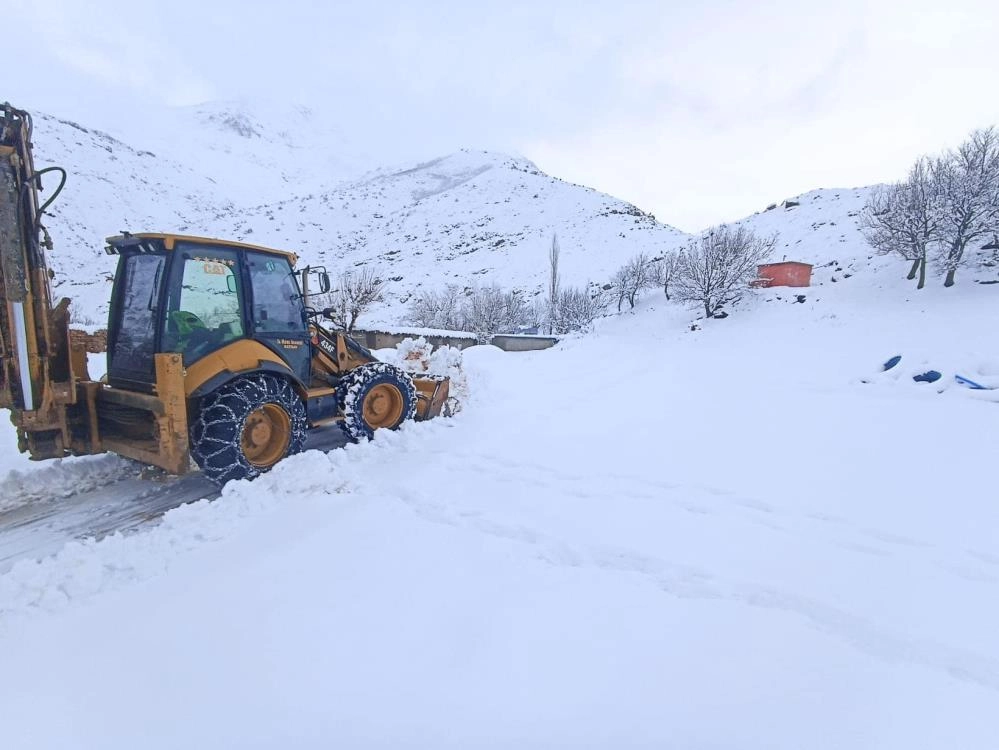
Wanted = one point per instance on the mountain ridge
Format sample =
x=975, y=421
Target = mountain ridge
x=468, y=217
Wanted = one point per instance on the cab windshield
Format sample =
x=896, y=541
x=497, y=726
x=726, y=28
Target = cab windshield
x=205, y=303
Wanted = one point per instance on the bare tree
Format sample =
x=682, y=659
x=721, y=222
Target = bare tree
x=576, y=309
x=715, y=270
x=355, y=293
x=437, y=308
x=538, y=314
x=905, y=219
x=489, y=310
x=631, y=279
x=968, y=180
x=553, y=283
x=662, y=271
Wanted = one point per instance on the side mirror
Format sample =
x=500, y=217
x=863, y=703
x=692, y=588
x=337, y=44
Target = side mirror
x=230, y=282
x=314, y=272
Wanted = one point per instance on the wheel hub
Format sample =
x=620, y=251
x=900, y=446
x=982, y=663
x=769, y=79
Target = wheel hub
x=383, y=406
x=266, y=435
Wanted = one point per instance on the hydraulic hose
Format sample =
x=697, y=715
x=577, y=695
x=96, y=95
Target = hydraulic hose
x=62, y=184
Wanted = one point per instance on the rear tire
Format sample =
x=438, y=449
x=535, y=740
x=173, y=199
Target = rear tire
x=375, y=396
x=247, y=426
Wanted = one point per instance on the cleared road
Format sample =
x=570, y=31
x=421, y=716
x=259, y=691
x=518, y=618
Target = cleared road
x=40, y=528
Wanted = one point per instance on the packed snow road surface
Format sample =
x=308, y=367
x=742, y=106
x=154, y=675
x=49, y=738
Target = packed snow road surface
x=745, y=535
x=43, y=508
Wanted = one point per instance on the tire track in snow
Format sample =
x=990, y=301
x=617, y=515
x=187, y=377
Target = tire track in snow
x=867, y=540
x=95, y=498
x=691, y=582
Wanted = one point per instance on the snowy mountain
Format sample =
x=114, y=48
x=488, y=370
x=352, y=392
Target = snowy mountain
x=256, y=153
x=287, y=179
x=470, y=217
x=110, y=186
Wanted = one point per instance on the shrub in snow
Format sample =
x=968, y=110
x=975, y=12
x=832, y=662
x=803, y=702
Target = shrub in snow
x=433, y=308
x=485, y=310
x=489, y=310
x=575, y=309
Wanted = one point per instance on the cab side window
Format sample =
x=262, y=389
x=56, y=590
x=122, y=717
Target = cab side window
x=140, y=279
x=277, y=304
x=206, y=314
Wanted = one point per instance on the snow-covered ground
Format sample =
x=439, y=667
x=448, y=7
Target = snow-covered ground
x=744, y=535
x=668, y=532
x=18, y=478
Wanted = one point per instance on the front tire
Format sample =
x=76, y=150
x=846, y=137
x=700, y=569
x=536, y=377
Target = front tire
x=375, y=396
x=245, y=427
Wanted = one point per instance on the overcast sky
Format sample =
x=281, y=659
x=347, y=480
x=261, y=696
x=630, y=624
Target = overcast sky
x=698, y=112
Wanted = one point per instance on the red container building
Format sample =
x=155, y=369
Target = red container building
x=785, y=273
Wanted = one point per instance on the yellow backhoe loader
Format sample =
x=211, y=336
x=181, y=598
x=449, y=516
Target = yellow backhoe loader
x=213, y=352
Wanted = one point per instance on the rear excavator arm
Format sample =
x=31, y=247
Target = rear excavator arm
x=38, y=366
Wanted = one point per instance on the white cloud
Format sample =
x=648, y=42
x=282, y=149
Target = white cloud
x=699, y=112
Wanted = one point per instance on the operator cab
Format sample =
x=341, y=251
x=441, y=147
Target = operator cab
x=194, y=296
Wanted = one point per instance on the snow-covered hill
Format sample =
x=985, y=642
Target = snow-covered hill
x=110, y=186
x=470, y=217
x=254, y=153
x=815, y=227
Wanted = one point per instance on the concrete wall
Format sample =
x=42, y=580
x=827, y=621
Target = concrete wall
x=522, y=343
x=457, y=339
x=387, y=340
x=98, y=342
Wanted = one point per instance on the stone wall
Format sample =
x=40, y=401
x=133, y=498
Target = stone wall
x=94, y=343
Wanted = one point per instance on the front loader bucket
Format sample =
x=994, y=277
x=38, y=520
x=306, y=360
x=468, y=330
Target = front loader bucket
x=431, y=395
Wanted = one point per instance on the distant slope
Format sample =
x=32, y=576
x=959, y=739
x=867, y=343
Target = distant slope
x=821, y=227
x=814, y=226
x=256, y=153
x=472, y=217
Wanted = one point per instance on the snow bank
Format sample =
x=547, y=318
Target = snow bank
x=54, y=480
x=417, y=356
x=23, y=480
